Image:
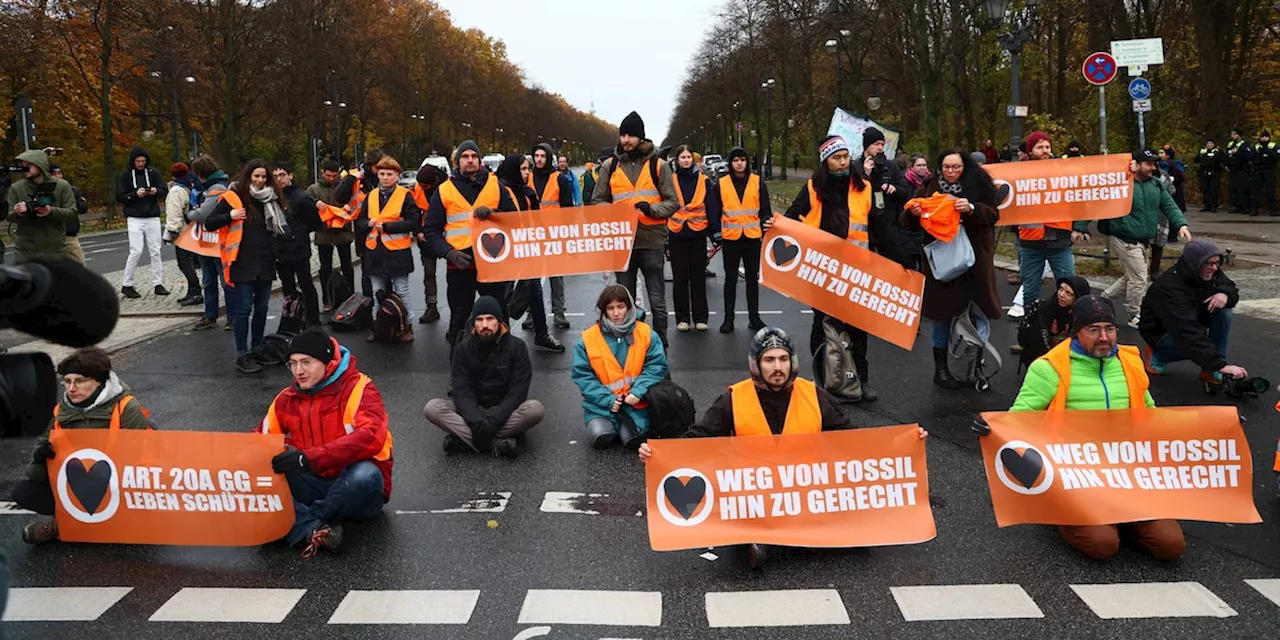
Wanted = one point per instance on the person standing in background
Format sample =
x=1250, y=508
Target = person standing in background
x=73, y=227
x=142, y=192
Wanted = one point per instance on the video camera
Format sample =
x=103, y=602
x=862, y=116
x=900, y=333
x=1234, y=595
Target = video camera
x=43, y=196
x=1240, y=387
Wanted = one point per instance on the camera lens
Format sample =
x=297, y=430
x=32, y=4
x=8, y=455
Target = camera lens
x=1258, y=385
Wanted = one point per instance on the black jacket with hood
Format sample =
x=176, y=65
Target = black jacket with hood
x=302, y=217
x=130, y=180
x=490, y=378
x=256, y=259
x=433, y=222
x=1175, y=305
x=834, y=193
x=540, y=176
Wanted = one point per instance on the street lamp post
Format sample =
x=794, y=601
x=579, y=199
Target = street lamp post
x=1013, y=41
x=833, y=46
x=767, y=161
x=737, y=120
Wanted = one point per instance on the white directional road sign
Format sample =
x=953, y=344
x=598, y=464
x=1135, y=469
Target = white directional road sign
x=1131, y=53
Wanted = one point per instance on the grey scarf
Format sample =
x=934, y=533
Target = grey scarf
x=624, y=329
x=271, y=209
x=947, y=187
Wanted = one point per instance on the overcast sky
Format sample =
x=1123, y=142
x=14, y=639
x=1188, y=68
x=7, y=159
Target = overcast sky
x=637, y=55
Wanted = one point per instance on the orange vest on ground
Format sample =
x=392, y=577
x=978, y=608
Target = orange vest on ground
x=229, y=238
x=859, y=211
x=1035, y=232
x=115, y=413
x=457, y=211
x=741, y=217
x=617, y=378
x=694, y=213
x=550, y=198
x=1135, y=374
x=803, y=414
x=643, y=190
x=393, y=213
x=271, y=424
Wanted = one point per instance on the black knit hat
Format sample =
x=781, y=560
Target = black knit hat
x=487, y=306
x=90, y=362
x=871, y=136
x=605, y=154
x=1089, y=310
x=737, y=152
x=632, y=125
x=315, y=343
x=466, y=144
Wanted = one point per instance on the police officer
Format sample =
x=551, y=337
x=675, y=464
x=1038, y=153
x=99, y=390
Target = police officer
x=1239, y=165
x=1265, y=154
x=1209, y=161
x=1073, y=150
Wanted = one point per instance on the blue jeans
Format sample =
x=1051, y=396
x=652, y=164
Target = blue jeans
x=399, y=285
x=941, y=333
x=1030, y=263
x=242, y=300
x=211, y=275
x=1219, y=331
x=355, y=494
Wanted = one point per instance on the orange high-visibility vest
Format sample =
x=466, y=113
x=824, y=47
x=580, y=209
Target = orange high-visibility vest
x=803, y=414
x=420, y=197
x=271, y=423
x=741, y=217
x=393, y=213
x=617, y=378
x=457, y=211
x=643, y=190
x=1035, y=232
x=550, y=198
x=357, y=197
x=693, y=213
x=229, y=238
x=859, y=211
x=115, y=413
x=335, y=217
x=1135, y=375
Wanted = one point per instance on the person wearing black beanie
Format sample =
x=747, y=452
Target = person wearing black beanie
x=744, y=199
x=429, y=177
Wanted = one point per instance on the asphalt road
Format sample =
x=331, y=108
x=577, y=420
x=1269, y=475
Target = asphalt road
x=504, y=581
x=107, y=252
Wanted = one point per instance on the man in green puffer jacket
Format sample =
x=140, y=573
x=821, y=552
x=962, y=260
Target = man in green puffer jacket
x=41, y=230
x=95, y=398
x=1102, y=375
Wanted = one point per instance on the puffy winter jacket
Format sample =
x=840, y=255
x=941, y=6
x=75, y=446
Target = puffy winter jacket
x=490, y=381
x=1096, y=383
x=1150, y=199
x=597, y=399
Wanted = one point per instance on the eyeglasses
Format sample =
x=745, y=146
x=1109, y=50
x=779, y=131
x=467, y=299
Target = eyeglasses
x=1094, y=331
x=952, y=167
x=305, y=362
x=1213, y=263
x=76, y=382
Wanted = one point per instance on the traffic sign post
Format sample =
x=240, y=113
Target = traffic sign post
x=1099, y=69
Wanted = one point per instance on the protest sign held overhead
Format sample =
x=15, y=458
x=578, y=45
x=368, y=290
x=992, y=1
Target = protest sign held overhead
x=848, y=282
x=860, y=488
x=850, y=127
x=568, y=241
x=168, y=487
x=1083, y=468
x=196, y=239
x=1063, y=189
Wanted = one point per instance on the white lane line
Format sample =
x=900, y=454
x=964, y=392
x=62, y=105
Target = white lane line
x=61, y=604
x=612, y=608
x=1270, y=588
x=570, y=502
x=965, y=602
x=11, y=508
x=766, y=312
x=202, y=604
x=406, y=607
x=484, y=502
x=787, y=608
x=1152, y=600
x=91, y=243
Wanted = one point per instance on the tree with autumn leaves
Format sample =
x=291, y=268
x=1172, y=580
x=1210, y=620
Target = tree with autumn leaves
x=266, y=78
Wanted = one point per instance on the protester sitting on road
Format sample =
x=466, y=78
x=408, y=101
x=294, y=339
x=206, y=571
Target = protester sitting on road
x=491, y=374
x=1186, y=314
x=973, y=212
x=1048, y=320
x=95, y=398
x=338, y=461
x=1099, y=374
x=773, y=401
x=614, y=364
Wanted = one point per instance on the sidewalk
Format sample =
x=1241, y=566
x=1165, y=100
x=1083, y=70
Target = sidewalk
x=1255, y=239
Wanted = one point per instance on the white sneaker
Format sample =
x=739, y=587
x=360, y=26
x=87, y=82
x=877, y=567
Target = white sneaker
x=682, y=326
x=1133, y=322
x=1016, y=311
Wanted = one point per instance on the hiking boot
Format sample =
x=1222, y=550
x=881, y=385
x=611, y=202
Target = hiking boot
x=727, y=326
x=248, y=364
x=941, y=374
x=559, y=321
x=453, y=444
x=130, y=293
x=700, y=326
x=325, y=536
x=161, y=291
x=406, y=335
x=527, y=325
x=505, y=448
x=682, y=327
x=432, y=315
x=755, y=323
x=869, y=394
x=40, y=532
x=204, y=324
x=1153, y=364
x=548, y=343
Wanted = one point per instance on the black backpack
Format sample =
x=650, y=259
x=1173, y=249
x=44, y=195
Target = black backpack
x=833, y=366
x=274, y=349
x=336, y=288
x=671, y=410
x=353, y=315
x=293, y=315
x=390, y=323
x=518, y=299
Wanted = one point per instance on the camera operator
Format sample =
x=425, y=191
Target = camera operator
x=891, y=192
x=43, y=207
x=1186, y=314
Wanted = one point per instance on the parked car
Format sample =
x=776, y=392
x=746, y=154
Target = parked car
x=439, y=162
x=493, y=160
x=408, y=178
x=714, y=165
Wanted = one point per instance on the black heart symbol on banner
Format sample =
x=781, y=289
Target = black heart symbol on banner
x=1002, y=192
x=1025, y=467
x=89, y=485
x=685, y=496
x=493, y=244
x=783, y=252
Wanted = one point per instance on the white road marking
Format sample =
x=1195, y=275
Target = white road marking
x=1152, y=600
x=484, y=502
x=406, y=607
x=11, y=508
x=532, y=632
x=62, y=604
x=201, y=604
x=568, y=501
x=965, y=602
x=787, y=608
x=612, y=608
x=1270, y=588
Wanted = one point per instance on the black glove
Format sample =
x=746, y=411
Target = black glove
x=980, y=427
x=43, y=452
x=290, y=461
x=458, y=259
x=716, y=241
x=482, y=212
x=644, y=208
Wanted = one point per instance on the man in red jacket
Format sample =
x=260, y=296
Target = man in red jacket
x=338, y=460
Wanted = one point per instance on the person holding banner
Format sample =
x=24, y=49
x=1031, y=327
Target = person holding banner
x=687, y=244
x=386, y=225
x=744, y=200
x=429, y=178
x=339, y=456
x=554, y=188
x=215, y=182
x=614, y=364
x=515, y=176
x=331, y=239
x=960, y=199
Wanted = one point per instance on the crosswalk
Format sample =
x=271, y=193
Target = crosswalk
x=638, y=609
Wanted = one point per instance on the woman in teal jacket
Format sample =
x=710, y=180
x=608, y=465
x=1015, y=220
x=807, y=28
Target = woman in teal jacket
x=613, y=380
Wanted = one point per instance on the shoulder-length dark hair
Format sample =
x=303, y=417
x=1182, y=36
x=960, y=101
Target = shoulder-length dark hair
x=821, y=175
x=252, y=209
x=975, y=181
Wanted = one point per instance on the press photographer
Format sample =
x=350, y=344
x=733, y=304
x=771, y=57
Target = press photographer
x=42, y=206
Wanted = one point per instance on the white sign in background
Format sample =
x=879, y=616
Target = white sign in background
x=1133, y=53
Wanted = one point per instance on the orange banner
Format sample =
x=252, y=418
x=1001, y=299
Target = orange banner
x=555, y=242
x=1112, y=467
x=858, y=286
x=1063, y=189
x=169, y=487
x=197, y=240
x=858, y=488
